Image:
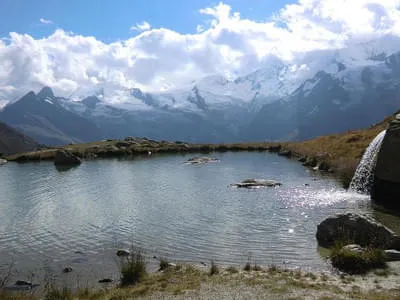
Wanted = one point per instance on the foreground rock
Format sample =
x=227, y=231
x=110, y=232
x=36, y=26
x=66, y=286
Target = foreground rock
x=255, y=183
x=201, y=160
x=66, y=158
x=392, y=255
x=385, y=189
x=2, y=161
x=357, y=229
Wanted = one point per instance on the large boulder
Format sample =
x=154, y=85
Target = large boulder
x=385, y=189
x=66, y=158
x=357, y=229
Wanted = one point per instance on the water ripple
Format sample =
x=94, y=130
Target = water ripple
x=184, y=212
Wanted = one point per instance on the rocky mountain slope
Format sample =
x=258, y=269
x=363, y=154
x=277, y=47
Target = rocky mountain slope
x=42, y=117
x=11, y=141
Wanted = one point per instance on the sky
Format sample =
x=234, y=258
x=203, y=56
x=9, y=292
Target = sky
x=111, y=21
x=80, y=47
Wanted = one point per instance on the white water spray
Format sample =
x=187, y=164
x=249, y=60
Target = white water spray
x=363, y=176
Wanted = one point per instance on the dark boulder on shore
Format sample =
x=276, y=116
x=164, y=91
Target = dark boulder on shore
x=66, y=158
x=357, y=229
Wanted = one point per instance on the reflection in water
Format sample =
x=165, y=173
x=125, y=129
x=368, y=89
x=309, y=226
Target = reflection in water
x=184, y=212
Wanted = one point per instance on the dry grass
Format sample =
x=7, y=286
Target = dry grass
x=188, y=282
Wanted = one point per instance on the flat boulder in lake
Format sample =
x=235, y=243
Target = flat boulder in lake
x=66, y=158
x=201, y=160
x=256, y=183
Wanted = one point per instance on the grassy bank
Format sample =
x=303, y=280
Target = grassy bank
x=186, y=281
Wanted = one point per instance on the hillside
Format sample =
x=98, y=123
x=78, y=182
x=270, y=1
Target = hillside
x=11, y=141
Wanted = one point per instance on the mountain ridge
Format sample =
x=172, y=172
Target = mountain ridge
x=332, y=91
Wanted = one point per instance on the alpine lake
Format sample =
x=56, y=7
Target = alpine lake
x=51, y=219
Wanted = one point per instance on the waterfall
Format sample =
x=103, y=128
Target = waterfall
x=363, y=176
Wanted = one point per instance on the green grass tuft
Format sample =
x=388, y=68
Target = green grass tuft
x=214, y=270
x=133, y=268
x=353, y=262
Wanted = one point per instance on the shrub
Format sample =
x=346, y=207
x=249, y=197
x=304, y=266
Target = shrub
x=214, y=268
x=232, y=270
x=355, y=262
x=164, y=264
x=247, y=267
x=257, y=267
x=133, y=268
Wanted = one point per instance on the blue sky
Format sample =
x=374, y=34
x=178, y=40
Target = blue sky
x=111, y=20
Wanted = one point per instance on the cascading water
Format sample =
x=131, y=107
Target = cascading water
x=362, y=179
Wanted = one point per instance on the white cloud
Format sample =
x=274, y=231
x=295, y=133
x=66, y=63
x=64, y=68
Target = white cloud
x=161, y=58
x=45, y=21
x=144, y=26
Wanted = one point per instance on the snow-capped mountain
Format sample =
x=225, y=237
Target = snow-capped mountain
x=320, y=92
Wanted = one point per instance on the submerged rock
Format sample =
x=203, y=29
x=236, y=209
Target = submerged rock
x=285, y=153
x=255, y=183
x=357, y=228
x=67, y=269
x=21, y=285
x=123, y=252
x=23, y=282
x=201, y=160
x=66, y=158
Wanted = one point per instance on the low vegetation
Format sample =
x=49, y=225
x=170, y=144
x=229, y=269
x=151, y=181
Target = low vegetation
x=186, y=281
x=357, y=262
x=214, y=270
x=164, y=264
x=133, y=268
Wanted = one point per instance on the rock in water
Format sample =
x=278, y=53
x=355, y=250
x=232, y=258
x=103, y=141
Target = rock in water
x=201, y=160
x=392, y=255
x=385, y=189
x=357, y=229
x=123, y=253
x=67, y=269
x=66, y=158
x=255, y=183
x=2, y=161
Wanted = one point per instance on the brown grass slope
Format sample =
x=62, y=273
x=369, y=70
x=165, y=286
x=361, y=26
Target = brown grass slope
x=342, y=152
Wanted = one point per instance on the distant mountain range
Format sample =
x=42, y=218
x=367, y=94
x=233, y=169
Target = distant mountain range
x=12, y=142
x=324, y=92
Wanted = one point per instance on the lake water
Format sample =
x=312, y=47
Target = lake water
x=51, y=219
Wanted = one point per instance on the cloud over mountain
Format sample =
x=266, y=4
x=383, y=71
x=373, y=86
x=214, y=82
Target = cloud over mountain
x=159, y=58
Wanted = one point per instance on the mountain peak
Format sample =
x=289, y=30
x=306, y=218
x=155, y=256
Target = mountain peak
x=91, y=101
x=45, y=92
